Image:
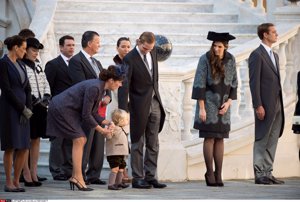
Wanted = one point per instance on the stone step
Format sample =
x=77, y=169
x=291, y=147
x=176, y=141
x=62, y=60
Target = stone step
x=98, y=5
x=178, y=49
x=157, y=28
x=117, y=16
x=156, y=1
x=174, y=61
x=110, y=38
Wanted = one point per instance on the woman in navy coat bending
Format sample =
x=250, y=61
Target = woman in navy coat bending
x=15, y=101
x=74, y=112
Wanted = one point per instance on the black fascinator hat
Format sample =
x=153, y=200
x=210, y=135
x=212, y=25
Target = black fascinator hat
x=33, y=42
x=215, y=36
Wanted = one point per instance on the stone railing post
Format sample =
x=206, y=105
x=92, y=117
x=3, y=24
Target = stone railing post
x=260, y=6
x=296, y=60
x=287, y=85
x=171, y=150
x=187, y=110
x=249, y=3
x=236, y=103
x=247, y=99
x=282, y=63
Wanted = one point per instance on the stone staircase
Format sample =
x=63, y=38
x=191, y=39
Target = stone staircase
x=184, y=22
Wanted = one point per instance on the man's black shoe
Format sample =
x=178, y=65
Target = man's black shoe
x=96, y=181
x=263, y=180
x=275, y=180
x=156, y=184
x=141, y=184
x=60, y=177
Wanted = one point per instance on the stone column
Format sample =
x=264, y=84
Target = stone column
x=282, y=63
x=260, y=6
x=287, y=85
x=249, y=3
x=187, y=110
x=235, y=116
x=248, y=109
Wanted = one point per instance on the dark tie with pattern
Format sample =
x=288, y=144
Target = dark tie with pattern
x=147, y=65
x=95, y=66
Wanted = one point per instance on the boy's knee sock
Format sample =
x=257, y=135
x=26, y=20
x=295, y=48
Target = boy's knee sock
x=112, y=178
x=119, y=178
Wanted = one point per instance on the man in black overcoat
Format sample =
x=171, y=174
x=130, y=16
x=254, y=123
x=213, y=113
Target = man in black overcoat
x=146, y=110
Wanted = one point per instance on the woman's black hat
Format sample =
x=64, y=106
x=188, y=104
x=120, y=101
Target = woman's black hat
x=214, y=36
x=33, y=42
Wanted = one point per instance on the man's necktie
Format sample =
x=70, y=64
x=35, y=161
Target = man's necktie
x=273, y=59
x=95, y=67
x=147, y=65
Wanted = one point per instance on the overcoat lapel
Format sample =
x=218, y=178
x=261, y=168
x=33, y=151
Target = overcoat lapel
x=62, y=64
x=17, y=72
x=87, y=64
x=141, y=63
x=268, y=59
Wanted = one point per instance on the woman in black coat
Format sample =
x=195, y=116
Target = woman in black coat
x=15, y=101
x=215, y=86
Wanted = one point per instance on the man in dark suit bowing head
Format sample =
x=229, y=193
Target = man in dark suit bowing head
x=146, y=110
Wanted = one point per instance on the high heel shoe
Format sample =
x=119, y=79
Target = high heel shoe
x=219, y=183
x=208, y=183
x=78, y=185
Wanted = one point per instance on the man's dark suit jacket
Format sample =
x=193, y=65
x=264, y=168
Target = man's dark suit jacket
x=139, y=85
x=57, y=75
x=265, y=89
x=80, y=69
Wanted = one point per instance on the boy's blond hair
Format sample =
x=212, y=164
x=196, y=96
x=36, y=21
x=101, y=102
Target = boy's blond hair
x=119, y=117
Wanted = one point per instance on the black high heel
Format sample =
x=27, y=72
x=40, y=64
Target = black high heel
x=219, y=184
x=78, y=185
x=208, y=183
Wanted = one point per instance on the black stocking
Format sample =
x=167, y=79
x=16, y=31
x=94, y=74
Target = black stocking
x=208, y=149
x=218, y=158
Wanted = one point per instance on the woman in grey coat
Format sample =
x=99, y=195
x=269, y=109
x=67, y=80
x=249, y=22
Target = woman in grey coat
x=74, y=112
x=214, y=88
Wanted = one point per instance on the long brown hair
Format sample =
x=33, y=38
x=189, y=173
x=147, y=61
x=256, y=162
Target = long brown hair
x=216, y=63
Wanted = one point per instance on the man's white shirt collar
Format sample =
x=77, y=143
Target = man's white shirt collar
x=88, y=57
x=266, y=47
x=65, y=59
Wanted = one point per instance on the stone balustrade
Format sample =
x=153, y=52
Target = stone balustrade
x=181, y=119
